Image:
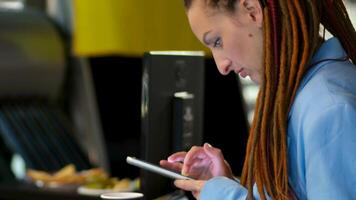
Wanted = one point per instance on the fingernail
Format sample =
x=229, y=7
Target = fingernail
x=208, y=145
x=170, y=159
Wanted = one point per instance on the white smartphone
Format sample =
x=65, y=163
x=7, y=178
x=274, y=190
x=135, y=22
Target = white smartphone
x=154, y=168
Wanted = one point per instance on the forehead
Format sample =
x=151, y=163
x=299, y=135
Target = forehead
x=203, y=7
x=202, y=17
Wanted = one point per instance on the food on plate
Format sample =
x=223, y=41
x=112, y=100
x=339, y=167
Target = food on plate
x=95, y=178
x=110, y=183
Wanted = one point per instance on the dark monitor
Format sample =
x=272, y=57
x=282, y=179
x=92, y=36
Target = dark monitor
x=171, y=109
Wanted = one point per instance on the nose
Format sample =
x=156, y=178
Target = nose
x=224, y=64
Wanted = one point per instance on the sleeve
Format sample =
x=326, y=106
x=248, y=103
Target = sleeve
x=224, y=188
x=330, y=154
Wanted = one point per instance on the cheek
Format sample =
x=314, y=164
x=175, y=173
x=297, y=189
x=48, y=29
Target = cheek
x=235, y=53
x=237, y=47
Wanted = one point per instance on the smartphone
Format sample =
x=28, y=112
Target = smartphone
x=156, y=169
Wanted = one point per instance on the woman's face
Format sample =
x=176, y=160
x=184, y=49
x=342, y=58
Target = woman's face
x=235, y=39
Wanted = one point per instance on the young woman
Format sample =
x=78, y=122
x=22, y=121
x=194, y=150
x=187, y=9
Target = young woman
x=301, y=143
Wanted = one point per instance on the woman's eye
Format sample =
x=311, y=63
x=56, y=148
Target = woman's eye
x=218, y=42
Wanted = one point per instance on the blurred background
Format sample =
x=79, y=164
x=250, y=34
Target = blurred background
x=72, y=92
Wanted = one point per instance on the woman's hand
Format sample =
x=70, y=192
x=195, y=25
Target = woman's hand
x=201, y=163
x=190, y=185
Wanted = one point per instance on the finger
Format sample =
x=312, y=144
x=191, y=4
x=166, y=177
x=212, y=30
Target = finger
x=201, y=163
x=177, y=157
x=215, y=154
x=187, y=185
x=191, y=185
x=172, y=166
x=194, y=155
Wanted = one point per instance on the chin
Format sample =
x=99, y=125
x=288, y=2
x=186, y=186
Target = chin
x=255, y=79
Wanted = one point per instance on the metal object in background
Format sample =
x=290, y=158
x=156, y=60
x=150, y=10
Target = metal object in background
x=32, y=55
x=35, y=65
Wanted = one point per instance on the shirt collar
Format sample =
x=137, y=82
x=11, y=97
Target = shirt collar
x=331, y=48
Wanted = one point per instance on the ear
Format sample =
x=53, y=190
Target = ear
x=254, y=10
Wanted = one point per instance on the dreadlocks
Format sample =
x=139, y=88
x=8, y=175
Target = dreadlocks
x=291, y=37
x=292, y=27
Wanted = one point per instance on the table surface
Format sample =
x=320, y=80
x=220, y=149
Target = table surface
x=20, y=191
x=27, y=191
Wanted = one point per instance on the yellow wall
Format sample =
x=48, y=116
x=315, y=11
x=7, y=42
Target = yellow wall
x=131, y=27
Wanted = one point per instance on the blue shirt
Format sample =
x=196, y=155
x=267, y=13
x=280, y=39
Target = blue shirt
x=321, y=134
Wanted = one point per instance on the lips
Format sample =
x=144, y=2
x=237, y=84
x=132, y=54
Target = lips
x=241, y=72
x=238, y=71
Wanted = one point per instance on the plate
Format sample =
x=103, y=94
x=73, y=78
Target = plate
x=97, y=192
x=122, y=195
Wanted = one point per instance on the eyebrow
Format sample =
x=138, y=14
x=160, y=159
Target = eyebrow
x=204, y=38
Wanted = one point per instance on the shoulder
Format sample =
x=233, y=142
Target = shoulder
x=325, y=106
x=337, y=80
x=329, y=85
